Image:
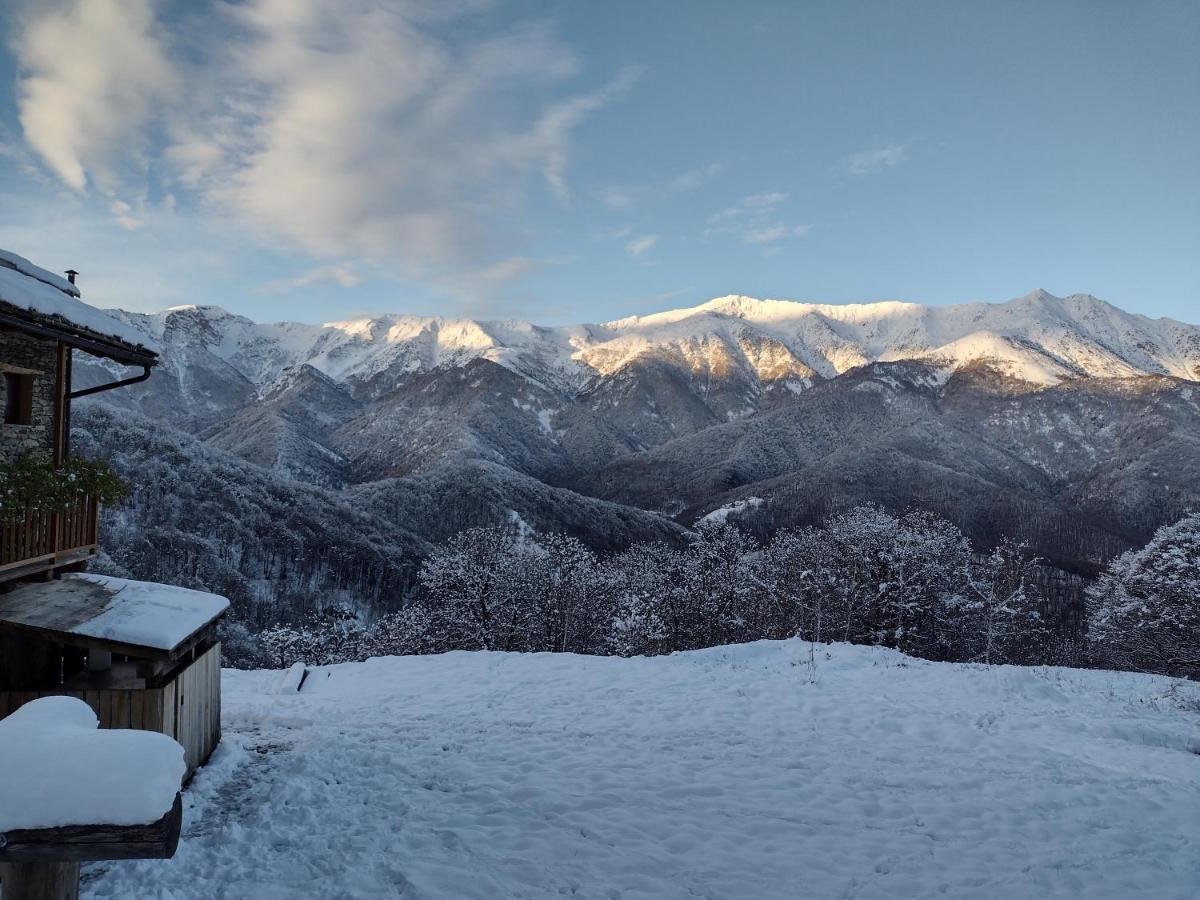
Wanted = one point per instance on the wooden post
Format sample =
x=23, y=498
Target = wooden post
x=43, y=864
x=62, y=384
x=39, y=881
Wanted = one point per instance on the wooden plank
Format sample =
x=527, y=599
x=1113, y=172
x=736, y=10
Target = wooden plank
x=152, y=709
x=137, y=706
x=169, y=712
x=120, y=709
x=40, y=881
x=89, y=843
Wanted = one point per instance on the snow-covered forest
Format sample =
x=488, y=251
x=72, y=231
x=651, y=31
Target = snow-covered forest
x=911, y=582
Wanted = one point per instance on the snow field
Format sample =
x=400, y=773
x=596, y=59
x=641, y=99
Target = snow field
x=737, y=772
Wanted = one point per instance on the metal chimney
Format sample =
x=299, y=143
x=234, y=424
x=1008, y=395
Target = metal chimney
x=71, y=273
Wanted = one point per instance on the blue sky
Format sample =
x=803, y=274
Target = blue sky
x=294, y=159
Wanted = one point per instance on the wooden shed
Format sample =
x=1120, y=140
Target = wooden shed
x=142, y=655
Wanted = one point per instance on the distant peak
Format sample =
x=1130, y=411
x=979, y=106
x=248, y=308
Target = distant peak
x=214, y=312
x=1040, y=294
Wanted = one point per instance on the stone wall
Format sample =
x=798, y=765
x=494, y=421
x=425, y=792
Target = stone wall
x=22, y=354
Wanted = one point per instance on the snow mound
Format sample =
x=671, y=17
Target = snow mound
x=57, y=769
x=764, y=770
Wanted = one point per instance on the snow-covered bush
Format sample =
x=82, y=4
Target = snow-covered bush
x=1144, y=610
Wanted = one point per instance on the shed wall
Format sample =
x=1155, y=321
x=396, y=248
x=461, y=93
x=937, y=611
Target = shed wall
x=187, y=708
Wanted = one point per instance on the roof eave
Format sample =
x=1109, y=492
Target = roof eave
x=59, y=328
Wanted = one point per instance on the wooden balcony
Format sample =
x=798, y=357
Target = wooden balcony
x=45, y=541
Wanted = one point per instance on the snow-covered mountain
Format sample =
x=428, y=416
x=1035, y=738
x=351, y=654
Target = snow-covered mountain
x=1063, y=421
x=1039, y=338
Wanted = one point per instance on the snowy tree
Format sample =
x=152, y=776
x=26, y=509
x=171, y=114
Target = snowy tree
x=859, y=543
x=926, y=564
x=997, y=617
x=799, y=585
x=406, y=631
x=559, y=579
x=893, y=576
x=472, y=591
x=645, y=584
x=719, y=584
x=1144, y=610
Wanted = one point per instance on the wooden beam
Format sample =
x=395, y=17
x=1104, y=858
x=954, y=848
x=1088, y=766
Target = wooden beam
x=90, y=843
x=61, y=388
x=40, y=881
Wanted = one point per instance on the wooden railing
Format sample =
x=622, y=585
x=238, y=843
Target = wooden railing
x=48, y=540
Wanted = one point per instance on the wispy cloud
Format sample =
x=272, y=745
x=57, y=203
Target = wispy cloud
x=123, y=213
x=92, y=74
x=480, y=285
x=869, y=161
x=617, y=197
x=342, y=274
x=694, y=179
x=755, y=220
x=625, y=196
x=640, y=245
x=357, y=130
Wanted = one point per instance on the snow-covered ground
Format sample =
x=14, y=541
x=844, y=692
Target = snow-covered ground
x=739, y=772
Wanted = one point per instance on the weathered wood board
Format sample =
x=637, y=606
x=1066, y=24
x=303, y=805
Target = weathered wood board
x=187, y=708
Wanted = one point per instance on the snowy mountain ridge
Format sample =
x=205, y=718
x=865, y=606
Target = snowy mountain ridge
x=1062, y=421
x=1038, y=338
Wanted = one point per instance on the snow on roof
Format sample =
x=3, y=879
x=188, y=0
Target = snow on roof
x=57, y=768
x=147, y=614
x=139, y=613
x=29, y=287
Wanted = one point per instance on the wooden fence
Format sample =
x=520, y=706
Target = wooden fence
x=45, y=540
x=186, y=708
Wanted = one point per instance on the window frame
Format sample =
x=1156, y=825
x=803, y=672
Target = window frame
x=18, y=398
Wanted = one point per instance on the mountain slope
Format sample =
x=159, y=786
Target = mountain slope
x=1064, y=421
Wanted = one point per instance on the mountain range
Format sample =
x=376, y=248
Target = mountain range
x=1064, y=421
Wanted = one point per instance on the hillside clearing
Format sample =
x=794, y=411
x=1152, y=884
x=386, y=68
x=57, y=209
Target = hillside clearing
x=735, y=772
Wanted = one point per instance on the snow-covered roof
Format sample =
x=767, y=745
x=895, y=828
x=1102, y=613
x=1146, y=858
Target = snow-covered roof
x=33, y=289
x=158, y=617
x=58, y=769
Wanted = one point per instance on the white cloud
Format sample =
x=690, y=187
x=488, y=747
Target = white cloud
x=485, y=282
x=626, y=196
x=123, y=213
x=755, y=220
x=90, y=74
x=640, y=245
x=617, y=197
x=358, y=130
x=342, y=274
x=877, y=160
x=694, y=179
